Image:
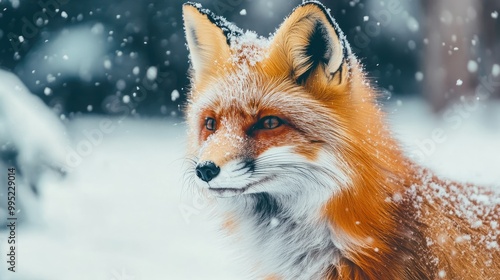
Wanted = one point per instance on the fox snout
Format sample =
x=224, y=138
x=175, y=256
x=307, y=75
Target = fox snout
x=207, y=170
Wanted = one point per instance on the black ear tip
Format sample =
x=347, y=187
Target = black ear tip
x=230, y=30
x=332, y=21
x=316, y=4
x=320, y=6
x=192, y=4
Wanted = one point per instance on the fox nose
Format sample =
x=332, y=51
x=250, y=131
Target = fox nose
x=207, y=171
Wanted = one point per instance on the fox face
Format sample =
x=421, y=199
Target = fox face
x=263, y=111
x=251, y=132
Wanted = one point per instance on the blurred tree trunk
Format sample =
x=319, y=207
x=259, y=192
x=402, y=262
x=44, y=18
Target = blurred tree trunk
x=463, y=47
x=451, y=30
x=490, y=34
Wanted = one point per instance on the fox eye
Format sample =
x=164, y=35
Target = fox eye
x=269, y=122
x=210, y=124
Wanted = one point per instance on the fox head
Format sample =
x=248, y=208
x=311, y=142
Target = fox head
x=282, y=115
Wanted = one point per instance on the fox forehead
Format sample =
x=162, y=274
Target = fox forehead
x=247, y=93
x=250, y=94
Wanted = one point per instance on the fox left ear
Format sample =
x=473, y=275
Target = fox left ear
x=207, y=37
x=311, y=44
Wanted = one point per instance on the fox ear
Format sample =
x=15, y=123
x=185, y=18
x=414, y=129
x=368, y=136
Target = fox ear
x=310, y=42
x=207, y=40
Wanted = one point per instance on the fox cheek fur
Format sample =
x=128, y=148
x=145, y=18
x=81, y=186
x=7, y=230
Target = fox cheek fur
x=312, y=185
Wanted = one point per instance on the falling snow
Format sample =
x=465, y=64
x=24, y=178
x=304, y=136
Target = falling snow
x=472, y=66
x=495, y=71
x=274, y=222
x=50, y=78
x=107, y=64
x=136, y=70
x=413, y=24
x=126, y=99
x=175, y=95
x=47, y=91
x=151, y=73
x=419, y=76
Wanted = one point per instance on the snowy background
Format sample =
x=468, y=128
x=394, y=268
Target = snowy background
x=95, y=123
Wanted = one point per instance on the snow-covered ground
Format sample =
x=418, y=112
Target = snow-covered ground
x=461, y=143
x=123, y=213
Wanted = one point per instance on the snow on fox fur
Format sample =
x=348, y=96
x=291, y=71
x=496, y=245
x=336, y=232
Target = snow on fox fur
x=285, y=132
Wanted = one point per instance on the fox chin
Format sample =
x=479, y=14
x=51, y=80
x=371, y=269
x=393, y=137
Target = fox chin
x=287, y=134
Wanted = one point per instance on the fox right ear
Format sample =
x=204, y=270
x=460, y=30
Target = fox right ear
x=207, y=42
x=310, y=45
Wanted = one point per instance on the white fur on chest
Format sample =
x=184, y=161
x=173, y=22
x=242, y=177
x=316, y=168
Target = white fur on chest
x=281, y=243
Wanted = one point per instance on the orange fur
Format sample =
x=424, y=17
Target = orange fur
x=230, y=225
x=273, y=277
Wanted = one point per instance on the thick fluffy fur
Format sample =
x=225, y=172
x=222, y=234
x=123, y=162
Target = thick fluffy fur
x=328, y=193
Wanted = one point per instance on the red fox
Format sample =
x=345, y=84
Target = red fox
x=286, y=133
